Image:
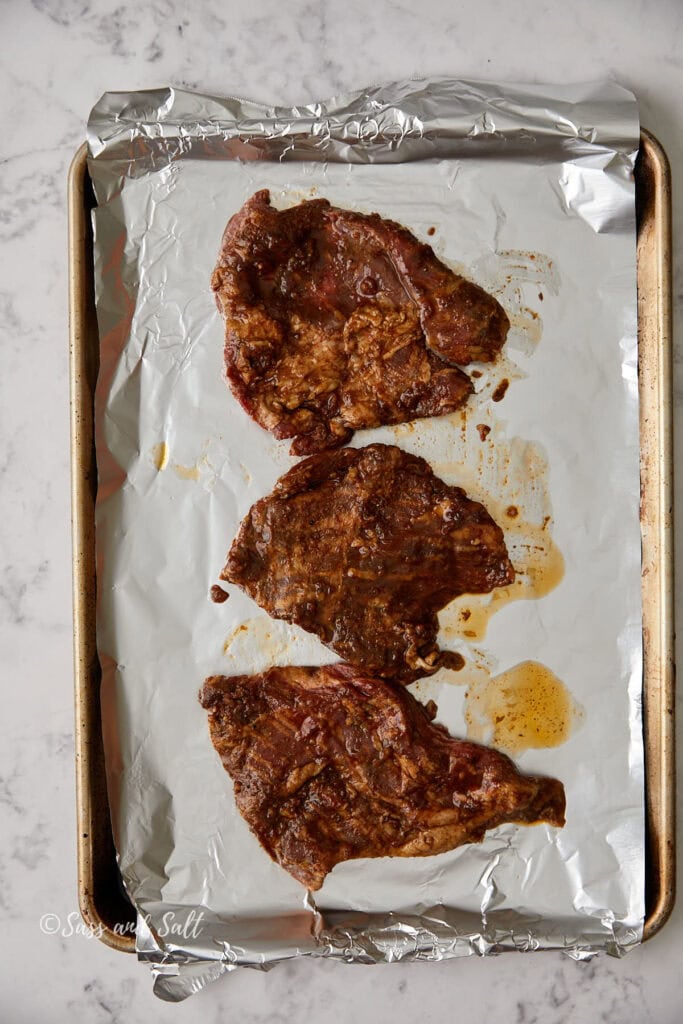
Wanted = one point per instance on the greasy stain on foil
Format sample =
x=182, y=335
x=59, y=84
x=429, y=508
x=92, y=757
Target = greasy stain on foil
x=187, y=472
x=260, y=643
x=160, y=455
x=509, y=476
x=526, y=707
x=518, y=278
x=286, y=198
x=539, y=568
x=202, y=469
x=509, y=274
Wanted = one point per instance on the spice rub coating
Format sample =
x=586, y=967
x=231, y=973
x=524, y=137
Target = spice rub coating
x=330, y=764
x=363, y=546
x=337, y=321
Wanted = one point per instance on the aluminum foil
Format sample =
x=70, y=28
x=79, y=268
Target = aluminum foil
x=529, y=190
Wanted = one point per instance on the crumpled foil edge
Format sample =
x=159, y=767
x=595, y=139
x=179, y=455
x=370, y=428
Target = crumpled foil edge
x=590, y=125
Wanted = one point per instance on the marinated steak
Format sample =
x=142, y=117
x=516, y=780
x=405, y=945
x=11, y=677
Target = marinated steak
x=362, y=547
x=335, y=321
x=330, y=764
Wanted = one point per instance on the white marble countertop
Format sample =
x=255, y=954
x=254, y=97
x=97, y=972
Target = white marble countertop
x=57, y=57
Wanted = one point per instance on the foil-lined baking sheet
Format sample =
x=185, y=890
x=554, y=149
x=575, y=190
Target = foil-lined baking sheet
x=528, y=190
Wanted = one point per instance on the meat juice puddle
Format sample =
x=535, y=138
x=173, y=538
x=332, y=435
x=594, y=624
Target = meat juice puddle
x=539, y=568
x=526, y=707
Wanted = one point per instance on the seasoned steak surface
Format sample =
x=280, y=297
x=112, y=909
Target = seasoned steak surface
x=363, y=547
x=330, y=764
x=336, y=320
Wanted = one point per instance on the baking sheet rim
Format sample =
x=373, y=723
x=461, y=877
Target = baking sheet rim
x=654, y=348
